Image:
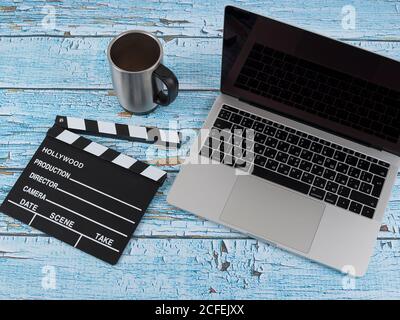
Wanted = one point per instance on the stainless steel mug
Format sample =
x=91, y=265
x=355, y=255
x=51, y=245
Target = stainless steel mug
x=138, y=74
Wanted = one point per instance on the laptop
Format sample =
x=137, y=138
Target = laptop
x=301, y=148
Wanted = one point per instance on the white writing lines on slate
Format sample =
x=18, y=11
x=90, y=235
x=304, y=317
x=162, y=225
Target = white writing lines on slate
x=94, y=205
x=81, y=215
x=77, y=241
x=105, y=194
x=77, y=232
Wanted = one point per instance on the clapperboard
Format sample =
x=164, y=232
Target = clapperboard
x=83, y=193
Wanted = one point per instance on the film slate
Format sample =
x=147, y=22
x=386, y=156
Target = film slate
x=160, y=137
x=83, y=193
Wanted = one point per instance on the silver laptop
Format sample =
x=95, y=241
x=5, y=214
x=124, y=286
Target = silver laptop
x=301, y=149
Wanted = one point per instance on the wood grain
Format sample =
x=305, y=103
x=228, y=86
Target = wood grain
x=187, y=269
x=49, y=70
x=81, y=63
x=170, y=18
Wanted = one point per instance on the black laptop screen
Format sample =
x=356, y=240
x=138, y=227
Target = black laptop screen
x=314, y=79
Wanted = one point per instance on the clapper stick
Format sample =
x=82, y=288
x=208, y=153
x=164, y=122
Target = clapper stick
x=160, y=137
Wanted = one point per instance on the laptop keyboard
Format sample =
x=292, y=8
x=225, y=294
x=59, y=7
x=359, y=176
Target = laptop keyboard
x=296, y=160
x=322, y=91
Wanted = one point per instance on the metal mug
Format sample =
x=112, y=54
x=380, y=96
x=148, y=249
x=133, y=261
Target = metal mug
x=138, y=75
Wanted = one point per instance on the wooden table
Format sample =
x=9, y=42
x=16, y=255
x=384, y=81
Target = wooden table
x=53, y=61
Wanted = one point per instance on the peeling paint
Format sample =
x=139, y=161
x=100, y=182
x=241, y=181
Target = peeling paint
x=8, y=8
x=169, y=22
x=225, y=265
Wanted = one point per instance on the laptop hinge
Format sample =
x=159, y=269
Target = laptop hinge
x=369, y=145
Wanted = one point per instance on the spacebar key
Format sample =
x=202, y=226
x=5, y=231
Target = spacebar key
x=280, y=179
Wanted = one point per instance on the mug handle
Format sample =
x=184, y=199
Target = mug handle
x=170, y=81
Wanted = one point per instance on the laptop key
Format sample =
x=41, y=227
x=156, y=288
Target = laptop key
x=283, y=169
x=260, y=138
x=282, y=157
x=328, y=152
x=363, y=164
x=258, y=126
x=270, y=153
x=316, y=147
x=366, y=187
x=342, y=168
x=339, y=156
x=235, y=118
x=283, y=146
x=330, y=163
x=259, y=148
x=304, y=143
x=355, y=207
x=377, y=182
x=271, y=142
x=353, y=183
x=247, y=123
x=306, y=155
x=354, y=172
x=272, y=164
x=343, y=191
x=260, y=160
x=293, y=161
x=269, y=130
x=293, y=139
x=367, y=212
x=378, y=170
x=318, y=170
x=343, y=203
x=317, y=193
x=332, y=186
x=305, y=165
x=281, y=135
x=331, y=198
x=293, y=150
x=329, y=174
x=295, y=173
x=307, y=178
x=224, y=114
x=341, y=178
x=222, y=124
x=366, y=176
x=351, y=160
x=363, y=198
x=318, y=159
x=319, y=182
x=281, y=180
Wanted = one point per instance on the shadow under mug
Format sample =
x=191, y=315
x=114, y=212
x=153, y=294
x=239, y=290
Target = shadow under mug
x=138, y=75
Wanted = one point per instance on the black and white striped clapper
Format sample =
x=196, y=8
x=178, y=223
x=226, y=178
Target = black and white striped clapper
x=85, y=194
x=160, y=137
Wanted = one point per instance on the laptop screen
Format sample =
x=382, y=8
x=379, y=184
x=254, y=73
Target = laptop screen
x=322, y=82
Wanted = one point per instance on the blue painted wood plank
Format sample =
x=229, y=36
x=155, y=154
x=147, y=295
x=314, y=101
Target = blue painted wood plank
x=186, y=269
x=47, y=62
x=192, y=17
x=165, y=221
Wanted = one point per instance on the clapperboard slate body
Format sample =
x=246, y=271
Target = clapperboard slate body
x=83, y=193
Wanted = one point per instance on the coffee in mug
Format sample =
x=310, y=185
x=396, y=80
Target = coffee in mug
x=138, y=75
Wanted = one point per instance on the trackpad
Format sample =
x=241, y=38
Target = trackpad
x=273, y=213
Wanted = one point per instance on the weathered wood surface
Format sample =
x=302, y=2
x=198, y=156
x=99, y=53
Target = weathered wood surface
x=63, y=70
x=186, y=268
x=374, y=19
x=48, y=62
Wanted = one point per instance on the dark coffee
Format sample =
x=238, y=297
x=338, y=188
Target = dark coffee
x=135, y=52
